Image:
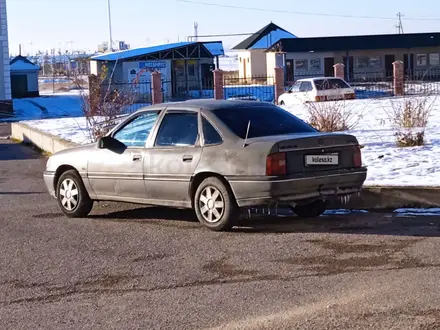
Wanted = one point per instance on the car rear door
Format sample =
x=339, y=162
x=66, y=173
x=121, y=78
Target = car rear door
x=173, y=157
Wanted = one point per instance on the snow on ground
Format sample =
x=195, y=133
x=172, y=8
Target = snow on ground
x=417, y=212
x=67, y=104
x=387, y=164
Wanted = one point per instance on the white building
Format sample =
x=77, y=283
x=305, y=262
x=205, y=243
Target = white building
x=5, y=74
x=253, y=58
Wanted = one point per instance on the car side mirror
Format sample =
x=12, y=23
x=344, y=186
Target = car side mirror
x=108, y=142
x=104, y=142
x=289, y=91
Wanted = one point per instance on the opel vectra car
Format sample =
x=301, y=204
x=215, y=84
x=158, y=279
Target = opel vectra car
x=213, y=156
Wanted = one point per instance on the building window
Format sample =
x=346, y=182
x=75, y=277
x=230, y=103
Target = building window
x=315, y=64
x=368, y=62
x=434, y=59
x=421, y=59
x=301, y=65
x=191, y=70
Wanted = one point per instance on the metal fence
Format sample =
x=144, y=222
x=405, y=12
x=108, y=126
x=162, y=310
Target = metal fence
x=261, y=88
x=182, y=90
x=139, y=92
x=422, y=82
x=372, y=84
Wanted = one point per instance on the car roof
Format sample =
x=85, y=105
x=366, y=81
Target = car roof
x=318, y=78
x=209, y=104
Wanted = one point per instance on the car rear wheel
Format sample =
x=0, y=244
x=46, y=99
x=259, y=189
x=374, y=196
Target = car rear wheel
x=215, y=205
x=310, y=210
x=72, y=196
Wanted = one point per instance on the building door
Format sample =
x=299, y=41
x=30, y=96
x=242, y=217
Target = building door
x=290, y=73
x=329, y=70
x=349, y=68
x=389, y=60
x=207, y=76
x=408, y=64
x=19, y=85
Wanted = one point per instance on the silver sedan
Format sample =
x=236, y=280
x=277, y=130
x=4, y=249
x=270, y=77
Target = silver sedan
x=213, y=156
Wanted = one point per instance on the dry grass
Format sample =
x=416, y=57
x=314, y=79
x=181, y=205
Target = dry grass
x=409, y=116
x=331, y=116
x=103, y=107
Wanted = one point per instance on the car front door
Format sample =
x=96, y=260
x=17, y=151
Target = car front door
x=173, y=158
x=292, y=94
x=119, y=173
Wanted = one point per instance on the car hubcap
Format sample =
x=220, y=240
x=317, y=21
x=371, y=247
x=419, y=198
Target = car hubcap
x=69, y=194
x=211, y=204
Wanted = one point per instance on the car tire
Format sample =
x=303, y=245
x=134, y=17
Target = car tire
x=215, y=205
x=310, y=210
x=282, y=103
x=72, y=196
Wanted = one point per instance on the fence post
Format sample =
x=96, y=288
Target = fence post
x=279, y=83
x=398, y=78
x=219, y=93
x=94, y=94
x=339, y=69
x=156, y=87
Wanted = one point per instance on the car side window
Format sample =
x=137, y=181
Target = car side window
x=178, y=129
x=210, y=134
x=295, y=87
x=136, y=132
x=306, y=86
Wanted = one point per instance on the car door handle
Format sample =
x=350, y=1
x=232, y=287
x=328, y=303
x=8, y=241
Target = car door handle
x=137, y=158
x=187, y=158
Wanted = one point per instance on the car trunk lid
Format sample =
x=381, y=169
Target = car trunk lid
x=319, y=152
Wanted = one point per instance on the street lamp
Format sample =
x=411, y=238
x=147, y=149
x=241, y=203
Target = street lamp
x=110, y=46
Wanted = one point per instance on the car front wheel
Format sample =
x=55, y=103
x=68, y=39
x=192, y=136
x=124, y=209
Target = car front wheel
x=215, y=205
x=72, y=196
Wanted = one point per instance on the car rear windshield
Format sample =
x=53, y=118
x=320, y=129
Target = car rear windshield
x=324, y=84
x=264, y=121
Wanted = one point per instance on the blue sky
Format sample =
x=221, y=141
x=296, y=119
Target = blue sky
x=46, y=24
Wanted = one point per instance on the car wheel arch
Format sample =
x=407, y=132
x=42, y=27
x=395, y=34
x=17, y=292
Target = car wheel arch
x=60, y=170
x=198, y=178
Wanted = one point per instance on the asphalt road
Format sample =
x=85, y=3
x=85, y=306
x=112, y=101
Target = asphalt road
x=133, y=267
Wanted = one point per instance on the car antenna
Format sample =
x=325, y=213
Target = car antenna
x=247, y=134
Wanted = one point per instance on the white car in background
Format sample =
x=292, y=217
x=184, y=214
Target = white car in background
x=317, y=90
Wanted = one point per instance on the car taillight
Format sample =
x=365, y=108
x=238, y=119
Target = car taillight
x=357, y=156
x=276, y=164
x=320, y=98
x=350, y=96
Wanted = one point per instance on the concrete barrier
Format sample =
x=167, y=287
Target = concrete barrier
x=42, y=140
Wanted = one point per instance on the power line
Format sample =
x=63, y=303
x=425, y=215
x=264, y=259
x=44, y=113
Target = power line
x=303, y=13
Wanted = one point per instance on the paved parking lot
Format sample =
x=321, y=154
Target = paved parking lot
x=134, y=267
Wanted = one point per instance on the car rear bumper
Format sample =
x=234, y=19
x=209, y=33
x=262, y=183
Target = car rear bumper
x=264, y=191
x=49, y=178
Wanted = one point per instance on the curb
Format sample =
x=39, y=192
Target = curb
x=374, y=198
x=390, y=198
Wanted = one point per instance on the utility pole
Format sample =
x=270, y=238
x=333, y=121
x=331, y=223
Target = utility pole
x=110, y=45
x=400, y=25
x=196, y=31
